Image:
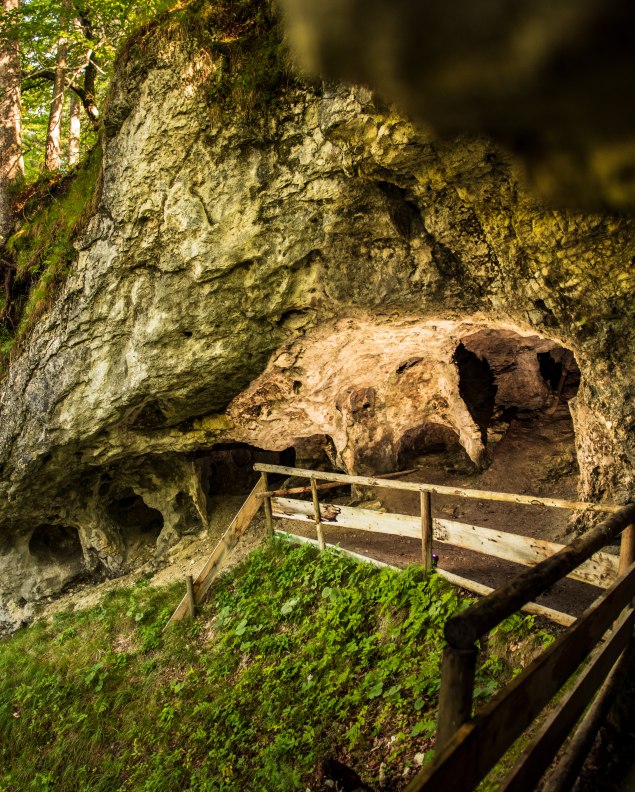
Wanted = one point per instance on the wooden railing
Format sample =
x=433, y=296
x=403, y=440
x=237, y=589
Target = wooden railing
x=468, y=747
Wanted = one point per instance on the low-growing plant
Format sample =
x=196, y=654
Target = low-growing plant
x=298, y=656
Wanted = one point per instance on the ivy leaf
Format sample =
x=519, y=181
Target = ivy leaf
x=288, y=606
x=376, y=690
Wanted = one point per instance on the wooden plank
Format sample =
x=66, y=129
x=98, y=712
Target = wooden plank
x=536, y=759
x=426, y=529
x=576, y=752
x=460, y=492
x=267, y=504
x=333, y=485
x=531, y=607
x=457, y=580
x=457, y=690
x=601, y=570
x=478, y=745
x=316, y=514
x=466, y=628
x=627, y=549
x=225, y=545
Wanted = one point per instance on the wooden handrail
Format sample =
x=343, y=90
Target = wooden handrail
x=460, y=492
x=464, y=630
x=331, y=485
x=477, y=745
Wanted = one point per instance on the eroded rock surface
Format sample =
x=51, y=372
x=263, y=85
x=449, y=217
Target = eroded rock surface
x=304, y=285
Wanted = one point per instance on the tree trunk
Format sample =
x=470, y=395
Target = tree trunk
x=74, y=130
x=11, y=163
x=54, y=133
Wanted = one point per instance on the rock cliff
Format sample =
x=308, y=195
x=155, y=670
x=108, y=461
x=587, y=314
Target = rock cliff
x=306, y=283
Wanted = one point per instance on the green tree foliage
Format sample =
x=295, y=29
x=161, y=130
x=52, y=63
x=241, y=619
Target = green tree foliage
x=93, y=31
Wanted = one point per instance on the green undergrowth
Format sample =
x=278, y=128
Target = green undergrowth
x=52, y=211
x=299, y=656
x=249, y=66
x=252, y=65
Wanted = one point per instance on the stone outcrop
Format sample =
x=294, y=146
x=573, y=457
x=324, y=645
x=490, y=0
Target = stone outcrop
x=304, y=284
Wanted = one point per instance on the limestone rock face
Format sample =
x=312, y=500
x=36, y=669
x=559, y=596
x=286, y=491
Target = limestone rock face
x=304, y=284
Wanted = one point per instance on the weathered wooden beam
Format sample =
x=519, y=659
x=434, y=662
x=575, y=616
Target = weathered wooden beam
x=627, y=549
x=460, y=492
x=267, y=503
x=476, y=747
x=316, y=514
x=226, y=544
x=531, y=607
x=457, y=689
x=463, y=630
x=538, y=756
x=600, y=570
x=331, y=485
x=568, y=767
x=191, y=604
x=426, y=529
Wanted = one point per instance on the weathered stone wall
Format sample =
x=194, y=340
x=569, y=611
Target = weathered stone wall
x=335, y=246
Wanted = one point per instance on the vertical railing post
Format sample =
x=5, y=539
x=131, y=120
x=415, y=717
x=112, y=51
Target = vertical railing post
x=267, y=504
x=627, y=549
x=316, y=512
x=426, y=529
x=456, y=693
x=191, y=602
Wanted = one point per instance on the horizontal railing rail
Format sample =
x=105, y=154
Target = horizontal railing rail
x=438, y=489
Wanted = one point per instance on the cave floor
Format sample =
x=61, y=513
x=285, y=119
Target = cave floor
x=535, y=457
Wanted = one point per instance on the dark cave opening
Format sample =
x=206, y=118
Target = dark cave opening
x=315, y=452
x=56, y=544
x=560, y=371
x=429, y=439
x=228, y=468
x=138, y=522
x=476, y=387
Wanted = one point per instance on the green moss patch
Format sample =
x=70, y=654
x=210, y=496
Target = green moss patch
x=298, y=657
x=54, y=210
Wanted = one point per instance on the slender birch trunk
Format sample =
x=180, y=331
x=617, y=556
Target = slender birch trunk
x=11, y=163
x=74, y=130
x=52, y=159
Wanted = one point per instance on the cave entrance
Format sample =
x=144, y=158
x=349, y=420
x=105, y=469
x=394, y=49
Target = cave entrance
x=476, y=387
x=504, y=377
x=228, y=468
x=315, y=452
x=139, y=524
x=57, y=545
x=432, y=442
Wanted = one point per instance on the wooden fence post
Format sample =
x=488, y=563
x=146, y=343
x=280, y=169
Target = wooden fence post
x=316, y=512
x=267, y=504
x=426, y=529
x=627, y=549
x=191, y=604
x=456, y=693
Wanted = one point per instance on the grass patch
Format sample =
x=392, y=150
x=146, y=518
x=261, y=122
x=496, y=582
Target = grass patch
x=53, y=210
x=299, y=656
